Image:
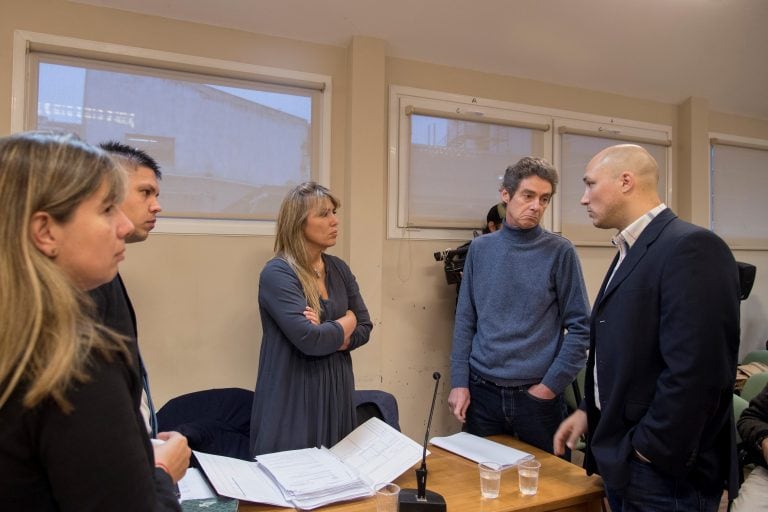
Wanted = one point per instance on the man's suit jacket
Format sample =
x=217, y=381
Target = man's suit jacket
x=664, y=337
x=114, y=309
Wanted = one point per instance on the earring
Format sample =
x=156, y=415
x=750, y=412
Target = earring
x=54, y=253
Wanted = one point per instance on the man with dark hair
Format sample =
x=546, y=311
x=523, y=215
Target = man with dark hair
x=141, y=207
x=664, y=342
x=113, y=306
x=521, y=291
x=494, y=218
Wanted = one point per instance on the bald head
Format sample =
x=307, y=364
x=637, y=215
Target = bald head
x=621, y=185
x=632, y=158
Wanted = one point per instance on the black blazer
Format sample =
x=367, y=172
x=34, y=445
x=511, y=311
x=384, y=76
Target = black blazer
x=665, y=337
x=114, y=310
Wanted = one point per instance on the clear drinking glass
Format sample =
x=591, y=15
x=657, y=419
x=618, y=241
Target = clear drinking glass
x=387, y=497
x=528, y=471
x=490, y=479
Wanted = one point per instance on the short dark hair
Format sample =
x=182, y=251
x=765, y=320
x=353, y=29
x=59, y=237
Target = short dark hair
x=132, y=155
x=495, y=215
x=526, y=167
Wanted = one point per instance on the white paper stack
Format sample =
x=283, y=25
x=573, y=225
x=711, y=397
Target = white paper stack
x=373, y=453
x=241, y=479
x=194, y=487
x=313, y=477
x=480, y=449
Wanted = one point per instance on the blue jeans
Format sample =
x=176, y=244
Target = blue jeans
x=512, y=410
x=650, y=491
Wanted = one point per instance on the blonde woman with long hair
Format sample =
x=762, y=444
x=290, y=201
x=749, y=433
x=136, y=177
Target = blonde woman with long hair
x=71, y=436
x=312, y=316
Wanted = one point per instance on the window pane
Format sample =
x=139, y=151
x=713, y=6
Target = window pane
x=739, y=181
x=577, y=151
x=456, y=168
x=228, y=149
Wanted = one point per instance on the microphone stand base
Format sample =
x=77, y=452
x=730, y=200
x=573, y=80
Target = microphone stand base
x=408, y=501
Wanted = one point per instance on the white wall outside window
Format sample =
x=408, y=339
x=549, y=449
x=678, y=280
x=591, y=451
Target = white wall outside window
x=450, y=160
x=231, y=139
x=446, y=161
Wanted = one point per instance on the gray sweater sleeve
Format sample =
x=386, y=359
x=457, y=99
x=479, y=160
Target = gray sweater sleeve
x=573, y=302
x=355, y=303
x=465, y=326
x=281, y=296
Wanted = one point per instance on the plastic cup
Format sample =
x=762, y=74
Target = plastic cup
x=387, y=497
x=528, y=472
x=490, y=479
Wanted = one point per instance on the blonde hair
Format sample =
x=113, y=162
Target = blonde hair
x=290, y=242
x=46, y=332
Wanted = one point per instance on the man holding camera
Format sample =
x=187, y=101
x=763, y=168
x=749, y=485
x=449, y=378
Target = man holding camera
x=522, y=289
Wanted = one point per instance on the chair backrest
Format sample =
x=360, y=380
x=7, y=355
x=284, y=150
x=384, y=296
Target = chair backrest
x=574, y=393
x=215, y=421
x=754, y=385
x=747, y=273
x=380, y=404
x=759, y=356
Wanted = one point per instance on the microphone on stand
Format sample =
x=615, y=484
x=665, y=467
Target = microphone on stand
x=422, y=500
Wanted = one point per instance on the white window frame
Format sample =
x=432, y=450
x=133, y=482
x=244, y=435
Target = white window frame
x=604, y=126
x=399, y=143
x=24, y=41
x=727, y=139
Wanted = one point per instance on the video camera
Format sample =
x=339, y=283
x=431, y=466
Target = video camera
x=453, y=262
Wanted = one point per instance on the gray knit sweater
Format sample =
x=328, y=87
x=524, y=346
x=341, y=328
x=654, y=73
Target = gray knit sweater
x=520, y=292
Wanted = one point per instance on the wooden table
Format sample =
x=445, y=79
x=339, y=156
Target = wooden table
x=563, y=486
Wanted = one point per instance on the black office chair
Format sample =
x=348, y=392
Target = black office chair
x=383, y=405
x=216, y=421
x=747, y=274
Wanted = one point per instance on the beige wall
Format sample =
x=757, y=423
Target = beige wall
x=196, y=296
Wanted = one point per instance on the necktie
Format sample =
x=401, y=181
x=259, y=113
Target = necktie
x=150, y=405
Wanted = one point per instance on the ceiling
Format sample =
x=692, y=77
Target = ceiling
x=663, y=50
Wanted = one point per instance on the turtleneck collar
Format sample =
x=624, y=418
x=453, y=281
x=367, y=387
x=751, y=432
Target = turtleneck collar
x=520, y=235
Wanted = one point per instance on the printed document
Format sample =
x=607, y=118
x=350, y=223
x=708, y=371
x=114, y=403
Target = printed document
x=480, y=449
x=309, y=478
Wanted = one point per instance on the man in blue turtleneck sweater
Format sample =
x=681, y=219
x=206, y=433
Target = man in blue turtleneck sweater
x=522, y=320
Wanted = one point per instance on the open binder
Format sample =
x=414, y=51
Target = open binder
x=309, y=478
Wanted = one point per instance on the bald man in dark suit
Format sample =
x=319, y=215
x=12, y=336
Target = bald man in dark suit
x=664, y=341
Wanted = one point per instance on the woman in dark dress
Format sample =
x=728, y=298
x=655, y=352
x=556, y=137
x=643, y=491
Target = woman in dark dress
x=312, y=316
x=71, y=435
